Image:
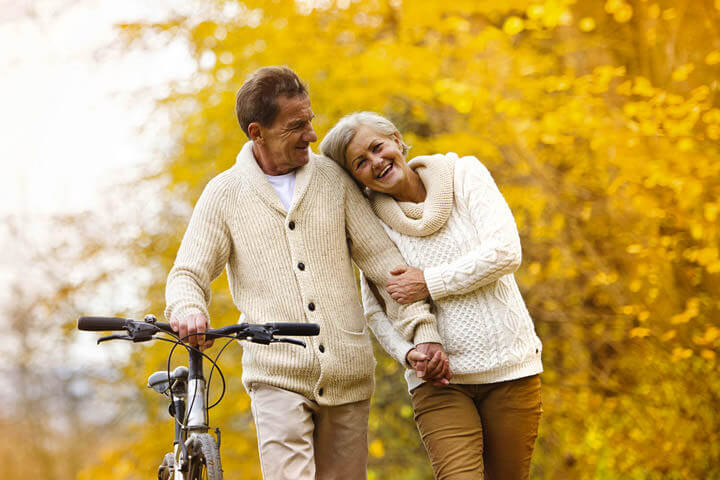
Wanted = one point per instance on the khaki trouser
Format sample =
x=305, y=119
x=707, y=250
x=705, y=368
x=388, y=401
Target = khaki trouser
x=299, y=439
x=479, y=431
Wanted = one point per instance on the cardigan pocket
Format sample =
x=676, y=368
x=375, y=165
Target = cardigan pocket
x=355, y=334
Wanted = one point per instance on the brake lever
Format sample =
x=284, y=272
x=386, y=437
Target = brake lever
x=114, y=337
x=289, y=340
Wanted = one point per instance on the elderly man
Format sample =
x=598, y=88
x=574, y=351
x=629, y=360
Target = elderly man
x=287, y=225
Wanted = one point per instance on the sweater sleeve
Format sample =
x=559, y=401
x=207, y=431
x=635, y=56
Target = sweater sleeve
x=203, y=253
x=497, y=252
x=391, y=341
x=375, y=254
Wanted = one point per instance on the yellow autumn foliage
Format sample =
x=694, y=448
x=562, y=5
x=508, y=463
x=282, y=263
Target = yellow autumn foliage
x=599, y=122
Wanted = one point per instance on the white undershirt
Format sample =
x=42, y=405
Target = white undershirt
x=284, y=185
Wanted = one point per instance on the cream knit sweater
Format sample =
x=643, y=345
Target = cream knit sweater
x=294, y=266
x=465, y=240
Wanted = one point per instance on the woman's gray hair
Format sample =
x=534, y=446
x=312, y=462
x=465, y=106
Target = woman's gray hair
x=335, y=143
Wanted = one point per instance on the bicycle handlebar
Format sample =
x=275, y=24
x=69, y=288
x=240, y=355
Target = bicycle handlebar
x=102, y=324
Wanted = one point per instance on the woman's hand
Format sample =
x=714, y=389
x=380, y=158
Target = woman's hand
x=407, y=285
x=430, y=363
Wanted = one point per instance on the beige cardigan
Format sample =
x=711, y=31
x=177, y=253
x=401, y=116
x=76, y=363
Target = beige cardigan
x=239, y=223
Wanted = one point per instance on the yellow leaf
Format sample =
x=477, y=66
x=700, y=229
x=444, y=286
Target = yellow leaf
x=708, y=354
x=623, y=14
x=713, y=58
x=680, y=353
x=612, y=6
x=711, y=211
x=654, y=11
x=635, y=248
x=669, y=14
x=513, y=25
x=643, y=87
x=377, y=449
x=639, y=332
x=685, y=145
x=711, y=116
x=681, y=73
x=669, y=335
x=587, y=24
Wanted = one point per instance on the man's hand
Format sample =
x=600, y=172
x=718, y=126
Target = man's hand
x=407, y=285
x=189, y=325
x=431, y=363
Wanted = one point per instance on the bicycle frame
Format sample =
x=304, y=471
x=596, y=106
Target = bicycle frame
x=184, y=392
x=195, y=452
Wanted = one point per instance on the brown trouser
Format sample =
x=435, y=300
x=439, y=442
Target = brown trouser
x=301, y=440
x=479, y=431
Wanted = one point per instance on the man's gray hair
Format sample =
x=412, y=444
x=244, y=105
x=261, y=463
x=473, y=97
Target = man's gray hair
x=335, y=143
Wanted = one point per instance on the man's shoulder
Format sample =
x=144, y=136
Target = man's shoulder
x=331, y=170
x=223, y=181
x=324, y=163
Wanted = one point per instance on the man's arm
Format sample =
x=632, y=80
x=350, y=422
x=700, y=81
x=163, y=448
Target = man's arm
x=435, y=370
x=201, y=258
x=375, y=254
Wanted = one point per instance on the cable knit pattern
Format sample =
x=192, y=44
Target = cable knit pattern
x=468, y=266
x=240, y=223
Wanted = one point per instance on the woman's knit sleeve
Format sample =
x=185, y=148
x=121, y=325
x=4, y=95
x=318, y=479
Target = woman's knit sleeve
x=497, y=252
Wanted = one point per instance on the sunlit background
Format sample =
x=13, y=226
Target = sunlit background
x=599, y=120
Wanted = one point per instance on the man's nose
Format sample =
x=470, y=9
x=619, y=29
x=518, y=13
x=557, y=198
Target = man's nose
x=309, y=135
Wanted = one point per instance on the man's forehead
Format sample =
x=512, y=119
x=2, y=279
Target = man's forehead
x=294, y=108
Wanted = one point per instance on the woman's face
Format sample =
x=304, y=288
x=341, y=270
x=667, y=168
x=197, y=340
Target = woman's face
x=377, y=161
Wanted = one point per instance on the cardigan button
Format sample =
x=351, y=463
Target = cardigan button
x=311, y=306
x=301, y=266
x=321, y=348
x=291, y=225
x=320, y=392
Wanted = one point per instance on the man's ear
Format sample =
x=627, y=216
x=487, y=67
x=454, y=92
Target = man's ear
x=255, y=132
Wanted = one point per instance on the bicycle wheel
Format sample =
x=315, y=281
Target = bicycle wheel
x=205, y=459
x=165, y=470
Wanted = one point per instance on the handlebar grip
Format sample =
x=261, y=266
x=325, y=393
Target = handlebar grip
x=101, y=324
x=299, y=329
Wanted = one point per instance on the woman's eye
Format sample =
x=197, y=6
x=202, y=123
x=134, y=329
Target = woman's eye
x=359, y=164
x=376, y=147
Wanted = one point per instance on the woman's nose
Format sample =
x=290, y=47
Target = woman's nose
x=375, y=160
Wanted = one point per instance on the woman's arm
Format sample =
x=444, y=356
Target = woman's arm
x=497, y=252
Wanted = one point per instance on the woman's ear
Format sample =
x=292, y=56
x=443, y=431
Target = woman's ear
x=396, y=138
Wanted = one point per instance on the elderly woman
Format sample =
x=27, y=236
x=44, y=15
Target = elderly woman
x=451, y=223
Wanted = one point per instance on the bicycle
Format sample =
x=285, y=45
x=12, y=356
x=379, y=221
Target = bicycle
x=196, y=453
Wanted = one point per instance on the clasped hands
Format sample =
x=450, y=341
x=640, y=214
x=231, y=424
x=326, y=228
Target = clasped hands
x=430, y=363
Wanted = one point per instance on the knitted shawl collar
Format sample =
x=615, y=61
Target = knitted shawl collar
x=421, y=219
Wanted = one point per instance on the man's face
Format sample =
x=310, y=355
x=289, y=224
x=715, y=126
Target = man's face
x=285, y=144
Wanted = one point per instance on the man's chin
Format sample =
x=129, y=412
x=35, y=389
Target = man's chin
x=303, y=157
